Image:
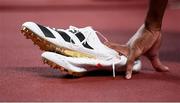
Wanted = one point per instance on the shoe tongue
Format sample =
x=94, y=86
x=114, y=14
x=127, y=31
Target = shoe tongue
x=73, y=29
x=86, y=30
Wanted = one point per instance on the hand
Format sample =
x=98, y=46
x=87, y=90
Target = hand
x=144, y=42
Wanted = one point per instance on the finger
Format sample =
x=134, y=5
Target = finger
x=129, y=65
x=122, y=49
x=131, y=58
x=129, y=70
x=156, y=63
x=153, y=56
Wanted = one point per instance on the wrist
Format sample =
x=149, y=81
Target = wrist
x=153, y=26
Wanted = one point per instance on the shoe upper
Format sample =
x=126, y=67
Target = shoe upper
x=84, y=40
x=91, y=43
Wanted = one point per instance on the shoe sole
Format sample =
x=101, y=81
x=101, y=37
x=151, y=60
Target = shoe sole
x=62, y=69
x=48, y=46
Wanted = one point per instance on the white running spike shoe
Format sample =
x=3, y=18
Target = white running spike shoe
x=78, y=66
x=75, y=42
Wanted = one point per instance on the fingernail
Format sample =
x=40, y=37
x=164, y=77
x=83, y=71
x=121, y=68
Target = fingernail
x=167, y=69
x=128, y=76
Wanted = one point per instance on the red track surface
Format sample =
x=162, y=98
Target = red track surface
x=23, y=77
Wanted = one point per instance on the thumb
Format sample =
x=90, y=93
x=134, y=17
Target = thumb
x=122, y=49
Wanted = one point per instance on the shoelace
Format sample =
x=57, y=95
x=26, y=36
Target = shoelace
x=75, y=30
